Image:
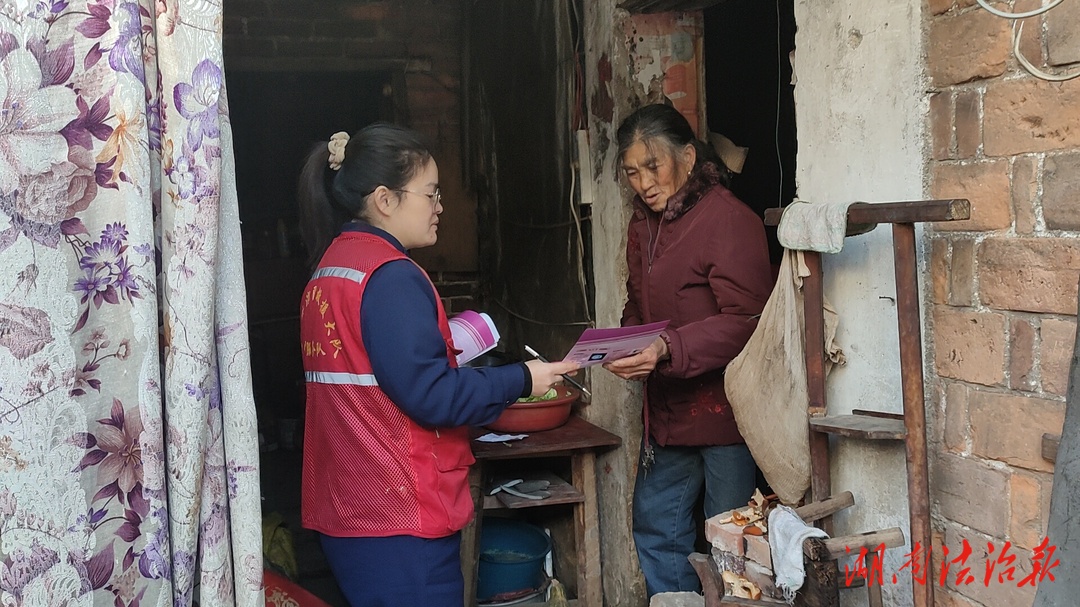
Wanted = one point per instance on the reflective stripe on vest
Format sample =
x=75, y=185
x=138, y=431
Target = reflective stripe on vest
x=338, y=272
x=328, y=377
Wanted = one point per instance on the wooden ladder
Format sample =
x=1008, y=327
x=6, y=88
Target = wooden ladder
x=909, y=427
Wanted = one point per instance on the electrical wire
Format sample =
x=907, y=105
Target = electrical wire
x=1019, y=31
x=1032, y=13
x=576, y=323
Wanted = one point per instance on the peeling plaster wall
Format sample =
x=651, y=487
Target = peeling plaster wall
x=616, y=404
x=629, y=61
x=860, y=106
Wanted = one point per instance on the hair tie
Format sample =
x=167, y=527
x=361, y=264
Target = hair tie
x=336, y=146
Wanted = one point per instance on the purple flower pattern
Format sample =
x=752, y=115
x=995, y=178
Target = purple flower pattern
x=65, y=144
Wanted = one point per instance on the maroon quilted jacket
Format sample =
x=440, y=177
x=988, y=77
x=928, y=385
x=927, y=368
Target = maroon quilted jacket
x=704, y=266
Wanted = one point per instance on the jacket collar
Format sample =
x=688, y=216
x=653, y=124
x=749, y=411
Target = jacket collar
x=701, y=181
x=366, y=228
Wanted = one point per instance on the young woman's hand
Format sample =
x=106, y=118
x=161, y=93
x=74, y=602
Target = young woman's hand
x=640, y=365
x=546, y=375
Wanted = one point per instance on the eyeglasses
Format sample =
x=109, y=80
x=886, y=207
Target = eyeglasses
x=435, y=197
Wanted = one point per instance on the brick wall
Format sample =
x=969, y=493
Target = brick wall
x=418, y=40
x=1004, y=284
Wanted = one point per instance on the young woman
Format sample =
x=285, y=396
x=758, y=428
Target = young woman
x=386, y=446
x=697, y=257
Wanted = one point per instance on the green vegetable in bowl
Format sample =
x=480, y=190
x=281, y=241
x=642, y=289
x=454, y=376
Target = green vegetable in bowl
x=549, y=395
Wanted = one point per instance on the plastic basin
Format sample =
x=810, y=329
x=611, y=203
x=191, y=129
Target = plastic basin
x=537, y=416
x=511, y=557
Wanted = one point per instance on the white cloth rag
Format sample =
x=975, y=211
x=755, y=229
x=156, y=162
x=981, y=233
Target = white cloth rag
x=786, y=535
x=817, y=226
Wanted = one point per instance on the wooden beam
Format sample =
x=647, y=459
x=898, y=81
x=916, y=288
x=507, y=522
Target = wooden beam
x=848, y=545
x=909, y=325
x=663, y=6
x=914, y=211
x=818, y=510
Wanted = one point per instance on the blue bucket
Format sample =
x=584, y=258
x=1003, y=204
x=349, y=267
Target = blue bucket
x=511, y=557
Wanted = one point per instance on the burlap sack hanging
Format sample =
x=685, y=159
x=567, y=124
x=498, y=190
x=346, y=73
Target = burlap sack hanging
x=766, y=384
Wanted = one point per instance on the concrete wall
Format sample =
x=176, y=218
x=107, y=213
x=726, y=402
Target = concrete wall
x=860, y=108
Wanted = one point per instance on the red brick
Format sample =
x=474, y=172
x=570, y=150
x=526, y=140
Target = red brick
x=956, y=416
x=1025, y=189
x=1029, y=274
x=1031, y=44
x=939, y=270
x=962, y=273
x=1055, y=354
x=939, y=6
x=368, y=11
x=941, y=128
x=1009, y=428
x=1063, y=33
x=1061, y=191
x=757, y=550
x=968, y=126
x=969, y=492
x=725, y=536
x=1030, y=115
x=996, y=593
x=985, y=184
x=1026, y=525
x=1021, y=355
x=967, y=46
x=969, y=346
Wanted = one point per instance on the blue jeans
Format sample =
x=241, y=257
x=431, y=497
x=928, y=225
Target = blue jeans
x=664, y=497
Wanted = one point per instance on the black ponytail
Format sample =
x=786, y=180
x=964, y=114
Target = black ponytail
x=378, y=154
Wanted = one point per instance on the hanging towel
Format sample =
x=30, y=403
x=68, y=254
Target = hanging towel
x=817, y=226
x=786, y=535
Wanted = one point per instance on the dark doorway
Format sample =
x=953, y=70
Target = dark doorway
x=750, y=98
x=277, y=118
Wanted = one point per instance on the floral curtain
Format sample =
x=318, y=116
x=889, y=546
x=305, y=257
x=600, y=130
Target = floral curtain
x=128, y=441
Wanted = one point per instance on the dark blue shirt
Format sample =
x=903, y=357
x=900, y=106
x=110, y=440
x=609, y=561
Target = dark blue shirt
x=399, y=324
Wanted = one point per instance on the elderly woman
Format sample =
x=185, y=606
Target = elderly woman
x=697, y=257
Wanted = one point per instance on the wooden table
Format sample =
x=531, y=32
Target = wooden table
x=578, y=440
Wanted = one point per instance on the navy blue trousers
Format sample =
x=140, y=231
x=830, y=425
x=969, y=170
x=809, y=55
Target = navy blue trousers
x=397, y=571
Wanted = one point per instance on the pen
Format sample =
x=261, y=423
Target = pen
x=568, y=379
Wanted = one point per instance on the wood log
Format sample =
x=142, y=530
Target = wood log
x=818, y=510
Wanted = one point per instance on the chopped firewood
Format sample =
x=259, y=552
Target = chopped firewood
x=740, y=587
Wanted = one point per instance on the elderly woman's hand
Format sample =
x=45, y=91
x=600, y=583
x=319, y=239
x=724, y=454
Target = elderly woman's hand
x=640, y=365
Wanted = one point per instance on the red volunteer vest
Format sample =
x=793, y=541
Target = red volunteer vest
x=369, y=470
